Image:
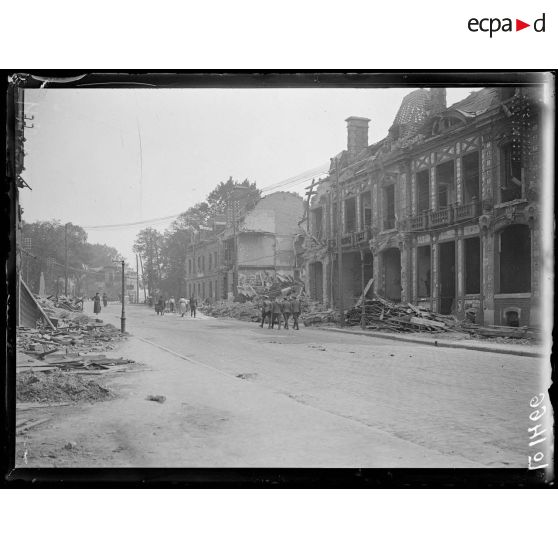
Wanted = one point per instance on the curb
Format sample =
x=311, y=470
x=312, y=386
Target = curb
x=438, y=343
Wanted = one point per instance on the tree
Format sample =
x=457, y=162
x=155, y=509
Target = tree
x=174, y=261
x=164, y=255
x=219, y=197
x=148, y=245
x=46, y=253
x=99, y=255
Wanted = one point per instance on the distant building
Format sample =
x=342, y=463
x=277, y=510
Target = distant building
x=108, y=280
x=204, y=269
x=443, y=212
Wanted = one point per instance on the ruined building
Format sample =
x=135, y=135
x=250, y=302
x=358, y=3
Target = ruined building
x=442, y=213
x=245, y=256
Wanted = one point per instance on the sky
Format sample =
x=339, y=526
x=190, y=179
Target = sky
x=97, y=157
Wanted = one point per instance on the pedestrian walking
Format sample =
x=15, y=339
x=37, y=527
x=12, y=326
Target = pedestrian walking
x=193, y=305
x=182, y=306
x=97, y=303
x=171, y=304
x=160, y=306
x=275, y=313
x=286, y=311
x=105, y=300
x=266, y=310
x=295, y=310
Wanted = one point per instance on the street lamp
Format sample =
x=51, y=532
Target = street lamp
x=123, y=315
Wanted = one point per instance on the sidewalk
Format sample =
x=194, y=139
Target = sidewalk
x=536, y=351
x=436, y=340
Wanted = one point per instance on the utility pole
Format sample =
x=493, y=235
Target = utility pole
x=66, y=259
x=339, y=248
x=143, y=280
x=123, y=315
x=137, y=280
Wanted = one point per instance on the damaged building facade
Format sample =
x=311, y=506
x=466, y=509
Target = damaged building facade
x=258, y=245
x=442, y=213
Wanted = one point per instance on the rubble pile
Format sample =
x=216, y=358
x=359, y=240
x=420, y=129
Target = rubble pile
x=316, y=313
x=282, y=285
x=54, y=365
x=380, y=313
x=503, y=334
x=78, y=335
x=246, y=311
x=57, y=387
x=61, y=308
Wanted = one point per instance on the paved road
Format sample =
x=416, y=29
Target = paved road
x=238, y=395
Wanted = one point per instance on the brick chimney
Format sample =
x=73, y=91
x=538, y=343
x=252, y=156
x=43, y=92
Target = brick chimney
x=437, y=100
x=357, y=135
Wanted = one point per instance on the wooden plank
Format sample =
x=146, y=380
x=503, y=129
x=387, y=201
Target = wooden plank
x=22, y=282
x=429, y=323
x=37, y=369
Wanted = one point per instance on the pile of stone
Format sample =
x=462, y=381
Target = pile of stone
x=58, y=386
x=75, y=335
x=55, y=365
x=245, y=311
x=61, y=308
x=314, y=313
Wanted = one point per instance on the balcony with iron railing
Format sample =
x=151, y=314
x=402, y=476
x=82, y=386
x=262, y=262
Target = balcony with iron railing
x=441, y=216
x=467, y=210
x=444, y=216
x=419, y=222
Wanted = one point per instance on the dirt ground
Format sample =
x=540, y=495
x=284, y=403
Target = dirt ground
x=59, y=386
x=239, y=396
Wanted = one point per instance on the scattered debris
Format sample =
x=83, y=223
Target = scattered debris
x=316, y=313
x=382, y=314
x=77, y=336
x=246, y=376
x=157, y=398
x=245, y=311
x=58, y=386
x=54, y=356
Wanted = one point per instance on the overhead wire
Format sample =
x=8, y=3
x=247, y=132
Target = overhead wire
x=290, y=183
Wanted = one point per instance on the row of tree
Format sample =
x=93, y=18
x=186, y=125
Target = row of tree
x=44, y=245
x=163, y=255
